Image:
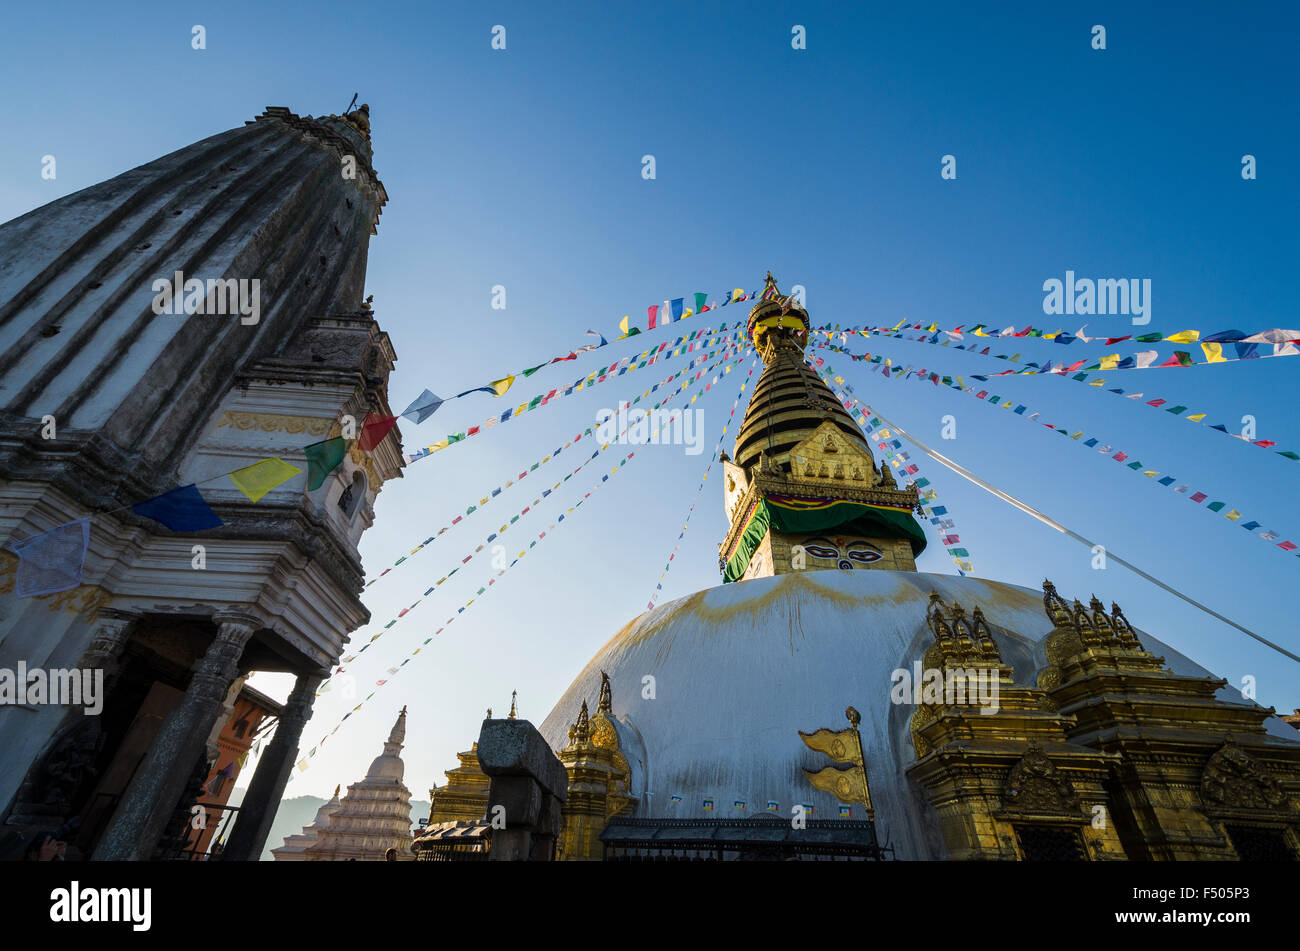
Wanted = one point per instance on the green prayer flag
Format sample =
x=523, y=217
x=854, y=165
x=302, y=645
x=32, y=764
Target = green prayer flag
x=1215, y=506
x=322, y=459
x=1149, y=338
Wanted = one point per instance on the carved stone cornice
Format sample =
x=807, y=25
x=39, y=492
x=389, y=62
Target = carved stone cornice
x=275, y=423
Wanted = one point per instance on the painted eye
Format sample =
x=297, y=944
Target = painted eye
x=864, y=555
x=817, y=551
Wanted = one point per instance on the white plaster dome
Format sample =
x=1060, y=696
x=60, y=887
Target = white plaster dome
x=741, y=668
x=386, y=767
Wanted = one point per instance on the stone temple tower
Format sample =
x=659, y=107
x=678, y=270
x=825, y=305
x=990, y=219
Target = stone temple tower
x=113, y=393
x=803, y=491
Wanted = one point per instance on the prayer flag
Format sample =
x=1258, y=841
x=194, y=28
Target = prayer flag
x=261, y=477
x=1274, y=336
x=422, y=407
x=181, y=510
x=52, y=561
x=1224, y=336
x=374, y=429
x=322, y=458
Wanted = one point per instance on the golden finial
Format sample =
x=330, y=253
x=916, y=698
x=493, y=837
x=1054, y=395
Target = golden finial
x=489, y=716
x=512, y=704
x=606, y=702
x=854, y=717
x=581, y=729
x=336, y=790
x=403, y=713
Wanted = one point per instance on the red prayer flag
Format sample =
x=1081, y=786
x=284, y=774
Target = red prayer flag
x=1111, y=341
x=653, y=312
x=373, y=431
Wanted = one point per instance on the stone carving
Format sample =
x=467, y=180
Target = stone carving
x=1233, y=780
x=1035, y=786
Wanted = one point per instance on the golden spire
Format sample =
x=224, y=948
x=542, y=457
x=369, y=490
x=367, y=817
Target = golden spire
x=582, y=729
x=336, y=790
x=513, y=693
x=606, y=702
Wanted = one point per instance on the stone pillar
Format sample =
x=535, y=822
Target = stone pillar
x=152, y=796
x=272, y=773
x=112, y=631
x=529, y=788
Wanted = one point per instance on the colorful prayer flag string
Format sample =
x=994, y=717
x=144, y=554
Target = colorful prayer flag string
x=911, y=472
x=659, y=586
x=685, y=344
x=1069, y=372
x=1232, y=515
x=492, y=537
x=426, y=404
x=303, y=764
x=483, y=502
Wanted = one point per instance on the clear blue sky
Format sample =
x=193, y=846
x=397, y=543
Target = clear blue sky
x=522, y=168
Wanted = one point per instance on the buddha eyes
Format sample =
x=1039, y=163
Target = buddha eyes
x=864, y=555
x=817, y=551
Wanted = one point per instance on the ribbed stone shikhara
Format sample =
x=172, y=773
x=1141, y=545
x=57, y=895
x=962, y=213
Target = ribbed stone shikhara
x=374, y=816
x=145, y=402
x=295, y=845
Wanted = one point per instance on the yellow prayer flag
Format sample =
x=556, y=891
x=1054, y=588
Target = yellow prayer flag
x=1151, y=473
x=623, y=324
x=1233, y=515
x=260, y=478
x=1197, y=418
x=1185, y=336
x=1109, y=361
x=1214, y=353
x=519, y=409
x=1052, y=336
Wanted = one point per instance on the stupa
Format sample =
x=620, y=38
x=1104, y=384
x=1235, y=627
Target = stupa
x=375, y=814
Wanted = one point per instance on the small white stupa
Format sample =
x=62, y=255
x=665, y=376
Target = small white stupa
x=294, y=845
x=375, y=814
